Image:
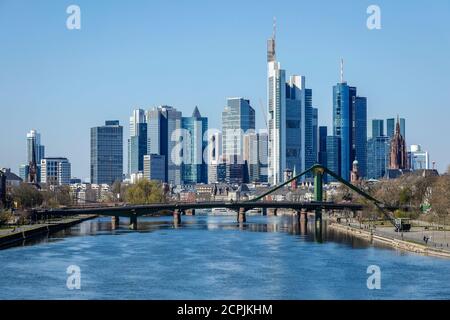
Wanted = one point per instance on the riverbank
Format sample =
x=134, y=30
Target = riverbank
x=393, y=242
x=15, y=235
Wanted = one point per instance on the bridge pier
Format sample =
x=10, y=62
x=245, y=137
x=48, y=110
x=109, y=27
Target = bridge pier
x=133, y=222
x=264, y=211
x=115, y=222
x=275, y=212
x=303, y=215
x=241, y=215
x=176, y=216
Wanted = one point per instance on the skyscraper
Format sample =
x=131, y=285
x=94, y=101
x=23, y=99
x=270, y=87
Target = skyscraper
x=137, y=144
x=255, y=156
x=194, y=167
x=164, y=137
x=238, y=117
x=290, y=120
x=35, y=153
x=154, y=167
x=107, y=153
x=350, y=126
x=315, y=134
x=322, y=153
x=334, y=155
x=214, y=156
x=377, y=128
x=377, y=157
x=359, y=135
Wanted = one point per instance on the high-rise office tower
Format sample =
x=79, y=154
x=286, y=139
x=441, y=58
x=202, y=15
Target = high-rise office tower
x=377, y=157
x=238, y=117
x=165, y=138
x=377, y=151
x=322, y=153
x=359, y=135
x=107, y=153
x=255, y=156
x=55, y=171
x=154, y=167
x=350, y=126
x=137, y=144
x=214, y=156
x=377, y=128
x=194, y=167
x=315, y=134
x=35, y=153
x=333, y=155
x=390, y=127
x=290, y=120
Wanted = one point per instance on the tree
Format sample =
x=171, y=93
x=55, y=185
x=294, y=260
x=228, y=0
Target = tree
x=59, y=196
x=27, y=196
x=144, y=192
x=5, y=217
x=440, y=196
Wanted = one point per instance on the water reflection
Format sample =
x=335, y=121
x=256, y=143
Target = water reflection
x=305, y=230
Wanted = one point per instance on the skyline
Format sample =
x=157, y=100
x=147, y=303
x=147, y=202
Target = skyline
x=59, y=76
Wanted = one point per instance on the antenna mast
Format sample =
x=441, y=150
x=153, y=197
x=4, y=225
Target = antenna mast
x=342, y=70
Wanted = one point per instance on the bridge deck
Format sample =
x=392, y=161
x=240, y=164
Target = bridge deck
x=139, y=210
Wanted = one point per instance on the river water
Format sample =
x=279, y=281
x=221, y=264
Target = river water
x=212, y=257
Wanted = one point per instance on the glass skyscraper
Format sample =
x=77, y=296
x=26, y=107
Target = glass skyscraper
x=137, y=144
x=377, y=128
x=333, y=155
x=350, y=126
x=377, y=157
x=194, y=167
x=237, y=118
x=107, y=153
x=164, y=136
x=36, y=149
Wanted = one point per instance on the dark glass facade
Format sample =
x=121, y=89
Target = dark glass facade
x=350, y=126
x=107, y=153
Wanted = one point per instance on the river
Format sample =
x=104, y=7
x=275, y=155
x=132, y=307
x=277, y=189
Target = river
x=213, y=257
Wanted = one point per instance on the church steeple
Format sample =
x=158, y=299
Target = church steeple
x=398, y=155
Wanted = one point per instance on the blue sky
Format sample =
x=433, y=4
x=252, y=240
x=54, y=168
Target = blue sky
x=132, y=54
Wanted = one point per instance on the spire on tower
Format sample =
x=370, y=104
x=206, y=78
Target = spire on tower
x=342, y=70
x=271, y=43
x=274, y=28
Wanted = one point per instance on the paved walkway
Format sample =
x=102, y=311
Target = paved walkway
x=436, y=239
x=19, y=229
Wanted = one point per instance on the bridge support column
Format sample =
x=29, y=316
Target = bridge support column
x=318, y=191
x=303, y=215
x=241, y=215
x=133, y=222
x=264, y=211
x=176, y=216
x=115, y=222
x=275, y=212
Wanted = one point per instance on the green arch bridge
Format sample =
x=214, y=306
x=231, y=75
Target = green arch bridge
x=301, y=208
